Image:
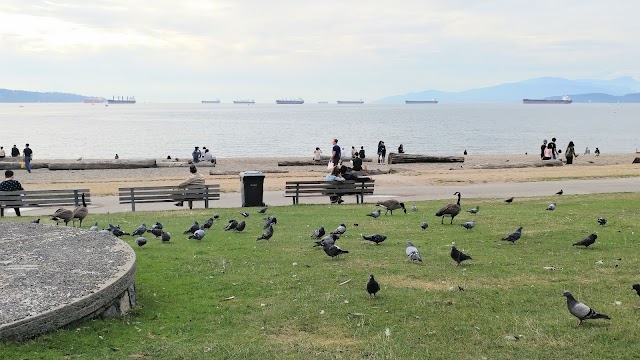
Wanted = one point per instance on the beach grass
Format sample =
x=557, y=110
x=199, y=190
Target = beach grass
x=229, y=296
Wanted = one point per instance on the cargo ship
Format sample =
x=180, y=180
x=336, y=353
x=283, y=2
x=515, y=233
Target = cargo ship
x=93, y=100
x=245, y=101
x=565, y=100
x=350, y=101
x=122, y=100
x=216, y=101
x=434, y=101
x=290, y=101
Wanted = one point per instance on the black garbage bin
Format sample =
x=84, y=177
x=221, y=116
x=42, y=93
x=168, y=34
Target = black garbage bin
x=252, y=188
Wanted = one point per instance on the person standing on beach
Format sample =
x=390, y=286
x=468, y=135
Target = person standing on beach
x=543, y=148
x=28, y=154
x=14, y=151
x=354, y=152
x=570, y=153
x=554, y=148
x=2, y=154
x=196, y=154
x=335, y=153
x=384, y=152
x=361, y=152
x=379, y=151
x=597, y=152
x=9, y=184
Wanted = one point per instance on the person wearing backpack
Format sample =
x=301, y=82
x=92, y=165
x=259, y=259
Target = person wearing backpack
x=570, y=153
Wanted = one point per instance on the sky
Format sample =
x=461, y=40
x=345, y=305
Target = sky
x=190, y=50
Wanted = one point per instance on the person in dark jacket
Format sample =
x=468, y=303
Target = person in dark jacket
x=361, y=152
x=9, y=184
x=15, y=152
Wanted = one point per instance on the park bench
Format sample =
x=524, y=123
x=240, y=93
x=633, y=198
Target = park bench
x=158, y=194
x=42, y=198
x=359, y=188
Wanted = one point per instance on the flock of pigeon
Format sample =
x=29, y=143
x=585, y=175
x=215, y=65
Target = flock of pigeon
x=328, y=241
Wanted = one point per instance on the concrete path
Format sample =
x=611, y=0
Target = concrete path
x=109, y=204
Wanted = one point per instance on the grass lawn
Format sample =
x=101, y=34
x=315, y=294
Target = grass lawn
x=288, y=302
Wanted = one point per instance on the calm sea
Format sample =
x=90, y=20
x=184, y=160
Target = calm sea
x=262, y=130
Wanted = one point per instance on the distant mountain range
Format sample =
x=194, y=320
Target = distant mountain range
x=21, y=96
x=623, y=89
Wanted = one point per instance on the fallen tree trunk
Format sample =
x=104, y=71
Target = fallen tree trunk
x=13, y=165
x=326, y=158
x=301, y=163
x=103, y=164
x=520, y=165
x=415, y=158
x=636, y=160
x=231, y=172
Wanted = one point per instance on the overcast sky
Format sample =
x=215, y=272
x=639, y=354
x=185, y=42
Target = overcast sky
x=189, y=50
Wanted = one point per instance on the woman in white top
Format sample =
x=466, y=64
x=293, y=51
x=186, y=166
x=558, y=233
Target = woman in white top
x=2, y=154
x=316, y=154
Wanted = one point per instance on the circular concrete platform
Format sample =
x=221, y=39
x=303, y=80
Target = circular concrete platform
x=53, y=276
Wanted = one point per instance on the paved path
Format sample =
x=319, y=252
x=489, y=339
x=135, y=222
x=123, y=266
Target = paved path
x=109, y=204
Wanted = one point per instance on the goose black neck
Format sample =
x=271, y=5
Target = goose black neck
x=83, y=202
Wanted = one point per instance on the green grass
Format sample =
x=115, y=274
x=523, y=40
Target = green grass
x=289, y=305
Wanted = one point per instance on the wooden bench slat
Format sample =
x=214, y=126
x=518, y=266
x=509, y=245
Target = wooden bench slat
x=169, y=198
x=158, y=194
x=154, y=188
x=43, y=198
x=168, y=192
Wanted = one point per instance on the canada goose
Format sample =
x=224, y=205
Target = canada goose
x=390, y=205
x=80, y=212
x=450, y=209
x=62, y=215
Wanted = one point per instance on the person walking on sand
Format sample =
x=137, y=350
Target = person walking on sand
x=335, y=153
x=383, y=153
x=9, y=184
x=317, y=154
x=2, y=154
x=361, y=152
x=379, y=151
x=28, y=155
x=15, y=152
x=196, y=154
x=570, y=153
x=193, y=179
x=597, y=152
x=554, y=148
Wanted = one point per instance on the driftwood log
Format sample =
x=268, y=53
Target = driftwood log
x=636, y=160
x=103, y=164
x=326, y=158
x=415, y=158
x=520, y=165
x=301, y=163
x=230, y=172
x=13, y=165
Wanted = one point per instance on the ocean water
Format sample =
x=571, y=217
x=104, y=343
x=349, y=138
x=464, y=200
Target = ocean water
x=264, y=130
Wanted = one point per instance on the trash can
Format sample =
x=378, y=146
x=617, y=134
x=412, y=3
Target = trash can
x=252, y=188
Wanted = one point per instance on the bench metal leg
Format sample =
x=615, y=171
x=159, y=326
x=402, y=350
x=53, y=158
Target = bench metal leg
x=190, y=205
x=133, y=201
x=1, y=212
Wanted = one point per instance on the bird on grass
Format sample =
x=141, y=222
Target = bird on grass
x=372, y=287
x=468, y=225
x=208, y=224
x=474, y=210
x=602, y=221
x=509, y=200
x=244, y=214
x=333, y=250
x=267, y=234
x=94, y=228
x=451, y=210
x=514, y=235
x=140, y=230
x=551, y=207
x=193, y=228
x=414, y=208
x=390, y=205
x=263, y=210
x=636, y=287
x=166, y=236
x=376, y=238
x=374, y=214
x=216, y=216
x=198, y=234
x=587, y=241
x=560, y=192
x=458, y=255
x=241, y=225
x=232, y=225
x=62, y=215
x=412, y=252
x=141, y=241
x=80, y=212
x=318, y=233
x=268, y=221
x=118, y=232
x=156, y=232
x=424, y=225
x=580, y=310
x=157, y=225
x=36, y=221
x=340, y=230
x=330, y=240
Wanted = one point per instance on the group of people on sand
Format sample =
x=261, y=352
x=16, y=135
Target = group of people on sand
x=27, y=154
x=204, y=155
x=355, y=153
x=548, y=151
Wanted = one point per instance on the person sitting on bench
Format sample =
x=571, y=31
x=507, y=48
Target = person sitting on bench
x=194, y=179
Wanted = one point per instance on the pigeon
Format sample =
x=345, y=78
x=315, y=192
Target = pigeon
x=376, y=238
x=589, y=240
x=263, y=210
x=602, y=221
x=372, y=286
x=340, y=230
x=267, y=235
x=208, y=224
x=232, y=225
x=333, y=250
x=330, y=240
x=474, y=210
x=318, y=233
x=514, y=235
x=560, y=192
x=580, y=310
x=140, y=230
x=268, y=221
x=216, y=216
x=111, y=227
x=551, y=207
x=414, y=208
x=94, y=228
x=458, y=255
x=166, y=236
x=36, y=221
x=105, y=232
x=509, y=200
x=374, y=214
x=118, y=232
x=141, y=241
x=198, y=234
x=193, y=228
x=636, y=287
x=424, y=225
x=156, y=232
x=468, y=225
x=244, y=214
x=241, y=225
x=157, y=225
x=412, y=252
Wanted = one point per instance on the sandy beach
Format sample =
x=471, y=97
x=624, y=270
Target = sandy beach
x=473, y=171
